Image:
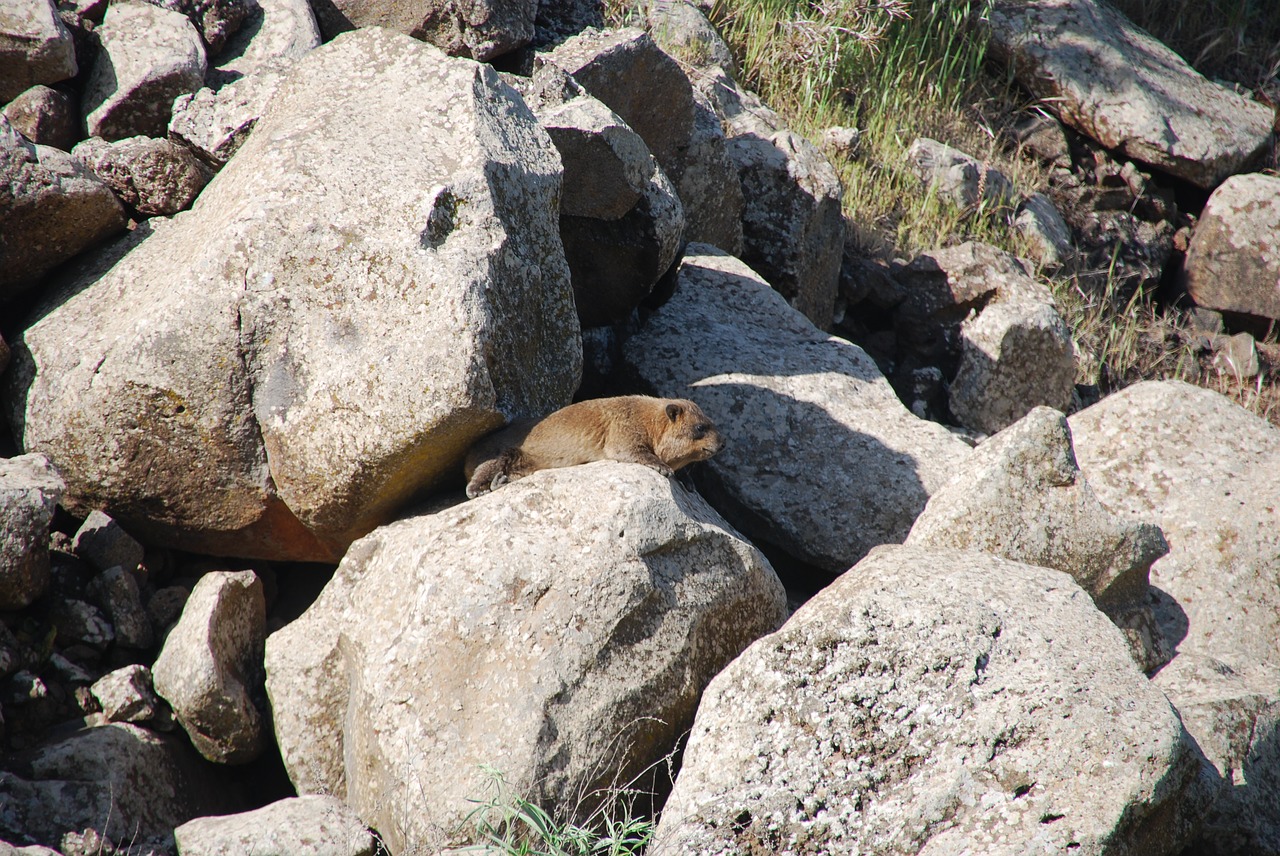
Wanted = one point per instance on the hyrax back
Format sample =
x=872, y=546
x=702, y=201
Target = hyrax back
x=662, y=433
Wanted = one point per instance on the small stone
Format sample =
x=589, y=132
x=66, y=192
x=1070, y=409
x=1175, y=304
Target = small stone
x=35, y=47
x=29, y=493
x=77, y=621
x=1236, y=355
x=44, y=116
x=165, y=606
x=298, y=826
x=104, y=544
x=152, y=177
x=117, y=590
x=126, y=695
x=961, y=177
x=843, y=141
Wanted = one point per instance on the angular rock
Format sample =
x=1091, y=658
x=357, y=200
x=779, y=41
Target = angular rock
x=962, y=178
x=45, y=116
x=1236, y=355
x=1016, y=353
x=149, y=56
x=843, y=140
x=1233, y=260
x=1038, y=219
x=292, y=319
x=936, y=702
x=637, y=80
x=480, y=30
x=1216, y=496
x=1044, y=138
x=210, y=669
x=823, y=459
x=117, y=591
x=680, y=29
x=1112, y=81
x=311, y=825
x=215, y=124
x=216, y=20
x=35, y=47
x=103, y=543
x=153, y=177
x=709, y=187
x=568, y=623
x=83, y=623
x=620, y=220
x=1021, y=496
x=792, y=228
x=51, y=207
x=29, y=493
x=273, y=36
x=126, y=695
x=118, y=783
x=165, y=606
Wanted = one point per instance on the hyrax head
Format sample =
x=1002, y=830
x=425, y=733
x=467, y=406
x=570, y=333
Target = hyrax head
x=688, y=434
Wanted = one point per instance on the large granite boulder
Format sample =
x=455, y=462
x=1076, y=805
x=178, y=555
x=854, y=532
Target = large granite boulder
x=148, y=57
x=823, y=460
x=1232, y=264
x=1114, y=82
x=935, y=702
x=332, y=325
x=51, y=207
x=1204, y=469
x=35, y=47
x=567, y=623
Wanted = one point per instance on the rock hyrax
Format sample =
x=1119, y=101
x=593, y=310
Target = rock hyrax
x=662, y=433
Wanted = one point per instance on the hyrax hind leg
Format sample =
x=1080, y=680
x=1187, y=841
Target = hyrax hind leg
x=495, y=472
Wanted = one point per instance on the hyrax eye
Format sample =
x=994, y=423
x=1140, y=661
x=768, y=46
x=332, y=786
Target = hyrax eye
x=700, y=431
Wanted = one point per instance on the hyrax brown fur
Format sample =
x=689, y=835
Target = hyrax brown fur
x=662, y=433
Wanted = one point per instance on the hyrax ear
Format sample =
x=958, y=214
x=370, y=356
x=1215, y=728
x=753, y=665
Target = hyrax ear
x=674, y=411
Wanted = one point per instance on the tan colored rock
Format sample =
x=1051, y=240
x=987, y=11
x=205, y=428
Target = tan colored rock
x=1233, y=260
x=152, y=177
x=1114, y=82
x=314, y=356
x=44, y=116
x=568, y=623
x=148, y=57
x=822, y=458
x=29, y=492
x=300, y=826
x=210, y=668
x=35, y=47
x=935, y=702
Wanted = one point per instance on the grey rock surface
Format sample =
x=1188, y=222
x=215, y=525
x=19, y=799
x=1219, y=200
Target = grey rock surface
x=210, y=669
x=148, y=57
x=275, y=33
x=30, y=489
x=1233, y=260
x=45, y=116
x=1021, y=495
x=325, y=300
x=683, y=31
x=934, y=702
x=126, y=695
x=792, y=228
x=709, y=187
x=51, y=207
x=1114, y=82
x=152, y=177
x=823, y=460
x=312, y=825
x=1039, y=219
x=35, y=47
x=216, y=20
x=117, y=591
x=79, y=622
x=480, y=30
x=115, y=784
x=568, y=621
x=214, y=124
x=1217, y=498
x=960, y=177
x=103, y=543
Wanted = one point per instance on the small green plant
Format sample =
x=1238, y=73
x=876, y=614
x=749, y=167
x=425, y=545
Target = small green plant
x=508, y=823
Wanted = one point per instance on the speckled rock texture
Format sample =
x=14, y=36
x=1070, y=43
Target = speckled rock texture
x=148, y=57
x=329, y=328
x=1205, y=470
x=568, y=623
x=299, y=826
x=35, y=47
x=215, y=124
x=792, y=229
x=29, y=492
x=1233, y=260
x=620, y=219
x=120, y=782
x=216, y=20
x=210, y=669
x=1016, y=353
x=481, y=30
x=275, y=33
x=958, y=176
x=126, y=695
x=45, y=116
x=1112, y=81
x=152, y=177
x=934, y=702
x=1022, y=496
x=823, y=460
x=51, y=207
